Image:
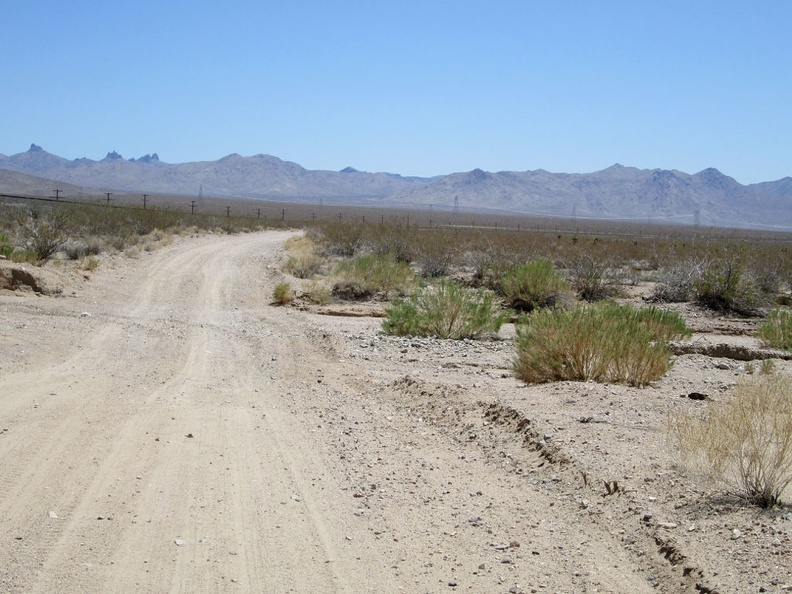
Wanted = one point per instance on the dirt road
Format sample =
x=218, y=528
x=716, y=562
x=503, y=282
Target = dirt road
x=165, y=429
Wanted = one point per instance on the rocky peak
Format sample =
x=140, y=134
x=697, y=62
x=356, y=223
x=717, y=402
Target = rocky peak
x=153, y=158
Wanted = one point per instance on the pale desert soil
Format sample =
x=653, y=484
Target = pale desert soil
x=164, y=428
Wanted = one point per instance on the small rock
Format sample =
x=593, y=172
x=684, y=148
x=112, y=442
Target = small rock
x=697, y=396
x=736, y=534
x=53, y=515
x=668, y=525
x=190, y=435
x=179, y=542
x=452, y=583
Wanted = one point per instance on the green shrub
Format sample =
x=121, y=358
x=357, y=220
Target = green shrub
x=6, y=247
x=533, y=285
x=446, y=310
x=283, y=293
x=746, y=441
x=776, y=330
x=663, y=324
x=366, y=275
x=605, y=342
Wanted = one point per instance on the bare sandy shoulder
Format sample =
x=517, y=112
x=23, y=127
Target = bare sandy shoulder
x=165, y=428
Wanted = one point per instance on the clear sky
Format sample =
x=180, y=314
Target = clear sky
x=424, y=87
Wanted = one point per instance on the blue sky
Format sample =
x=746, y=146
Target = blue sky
x=417, y=88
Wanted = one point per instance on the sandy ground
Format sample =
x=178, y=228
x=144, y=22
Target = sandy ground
x=164, y=428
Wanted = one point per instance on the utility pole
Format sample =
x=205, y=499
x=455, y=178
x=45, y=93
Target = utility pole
x=144, y=201
x=57, y=195
x=108, y=194
x=192, y=207
x=258, y=213
x=228, y=211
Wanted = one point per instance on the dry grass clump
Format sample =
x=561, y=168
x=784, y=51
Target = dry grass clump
x=605, y=342
x=283, y=293
x=445, y=310
x=317, y=292
x=368, y=275
x=303, y=261
x=745, y=442
x=776, y=330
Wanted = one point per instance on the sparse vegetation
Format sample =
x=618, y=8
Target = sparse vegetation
x=776, y=330
x=605, y=342
x=6, y=248
x=370, y=274
x=593, y=278
x=283, y=294
x=723, y=286
x=746, y=441
x=677, y=282
x=446, y=310
x=317, y=292
x=534, y=285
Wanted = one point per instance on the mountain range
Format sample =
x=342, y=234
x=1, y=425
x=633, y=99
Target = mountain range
x=621, y=193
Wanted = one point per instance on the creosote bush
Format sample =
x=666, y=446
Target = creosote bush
x=746, y=441
x=723, y=286
x=677, y=281
x=593, y=278
x=776, y=330
x=533, y=285
x=603, y=342
x=446, y=310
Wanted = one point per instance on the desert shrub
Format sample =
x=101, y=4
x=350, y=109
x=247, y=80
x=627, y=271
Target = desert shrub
x=283, y=293
x=663, y=324
x=776, y=330
x=6, y=247
x=677, y=281
x=342, y=238
x=434, y=259
x=446, y=310
x=82, y=248
x=303, y=265
x=533, y=285
x=370, y=274
x=351, y=289
x=593, y=278
x=392, y=240
x=605, y=342
x=89, y=263
x=44, y=233
x=746, y=441
x=724, y=287
x=318, y=292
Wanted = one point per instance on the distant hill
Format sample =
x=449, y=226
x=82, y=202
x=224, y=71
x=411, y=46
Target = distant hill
x=708, y=197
